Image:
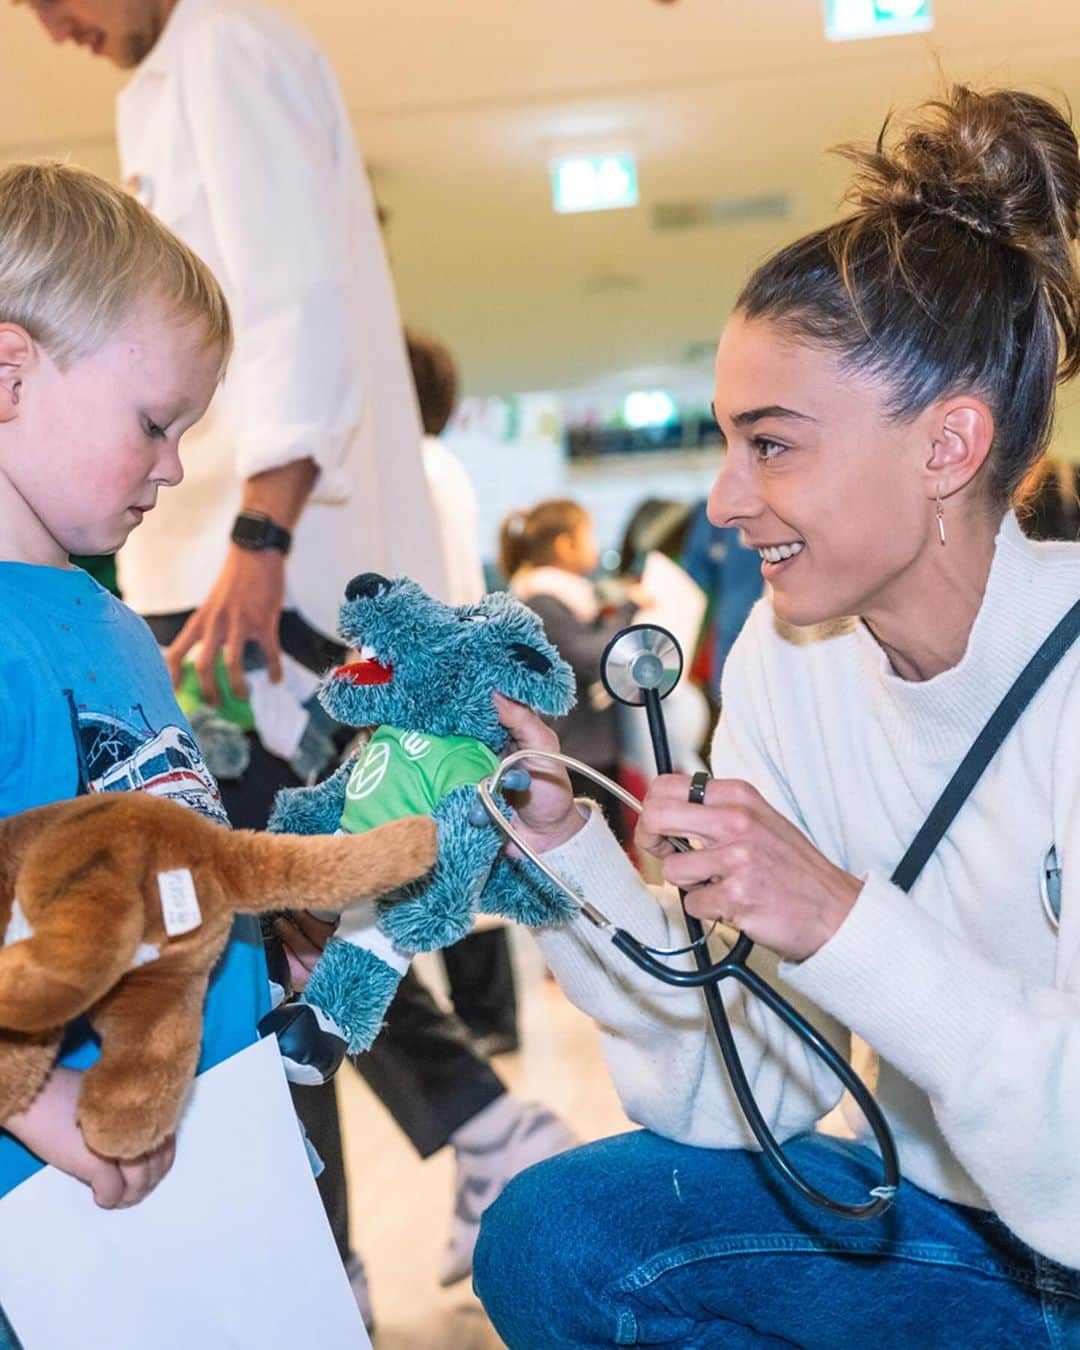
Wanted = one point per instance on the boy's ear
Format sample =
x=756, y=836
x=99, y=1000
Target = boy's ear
x=16, y=356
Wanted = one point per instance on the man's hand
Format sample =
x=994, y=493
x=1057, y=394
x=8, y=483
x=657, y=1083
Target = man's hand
x=48, y=1128
x=246, y=602
x=244, y=606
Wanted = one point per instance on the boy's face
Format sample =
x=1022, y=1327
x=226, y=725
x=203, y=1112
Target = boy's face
x=85, y=450
x=122, y=31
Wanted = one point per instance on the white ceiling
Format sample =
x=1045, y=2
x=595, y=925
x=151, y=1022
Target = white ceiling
x=458, y=105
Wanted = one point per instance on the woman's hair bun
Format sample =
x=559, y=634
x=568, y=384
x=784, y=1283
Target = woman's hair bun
x=956, y=270
x=1003, y=164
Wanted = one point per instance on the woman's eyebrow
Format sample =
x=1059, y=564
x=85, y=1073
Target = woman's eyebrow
x=748, y=418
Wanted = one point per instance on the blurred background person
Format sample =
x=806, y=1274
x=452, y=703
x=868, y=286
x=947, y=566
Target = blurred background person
x=730, y=575
x=548, y=555
x=479, y=970
x=1050, y=501
x=663, y=526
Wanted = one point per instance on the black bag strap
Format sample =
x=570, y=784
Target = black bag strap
x=1026, y=685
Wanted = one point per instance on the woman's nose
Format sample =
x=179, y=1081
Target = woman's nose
x=733, y=498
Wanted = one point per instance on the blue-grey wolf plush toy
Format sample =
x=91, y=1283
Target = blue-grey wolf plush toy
x=424, y=683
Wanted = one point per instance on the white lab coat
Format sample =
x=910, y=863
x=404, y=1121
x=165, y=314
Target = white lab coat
x=234, y=133
x=459, y=532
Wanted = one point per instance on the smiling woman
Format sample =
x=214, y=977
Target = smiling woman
x=883, y=388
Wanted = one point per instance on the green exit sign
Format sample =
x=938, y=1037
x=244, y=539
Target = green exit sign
x=846, y=19
x=594, y=182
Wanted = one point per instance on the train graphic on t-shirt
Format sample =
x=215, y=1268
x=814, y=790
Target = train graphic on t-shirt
x=116, y=755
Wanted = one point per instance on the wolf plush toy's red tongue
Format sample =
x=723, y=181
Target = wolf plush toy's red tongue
x=365, y=672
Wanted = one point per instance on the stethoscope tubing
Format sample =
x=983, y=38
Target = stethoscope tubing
x=707, y=977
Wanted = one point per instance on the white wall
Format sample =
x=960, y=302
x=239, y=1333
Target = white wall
x=510, y=474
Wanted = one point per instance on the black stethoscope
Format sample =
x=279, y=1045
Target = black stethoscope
x=640, y=667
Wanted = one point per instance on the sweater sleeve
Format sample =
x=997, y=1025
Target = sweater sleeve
x=657, y=1040
x=998, y=1056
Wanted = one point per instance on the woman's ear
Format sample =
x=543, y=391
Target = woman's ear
x=16, y=356
x=962, y=432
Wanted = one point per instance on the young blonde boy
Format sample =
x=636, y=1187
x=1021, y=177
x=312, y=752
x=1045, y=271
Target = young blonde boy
x=113, y=338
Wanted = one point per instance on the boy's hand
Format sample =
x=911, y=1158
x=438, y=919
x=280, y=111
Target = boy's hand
x=48, y=1129
x=303, y=937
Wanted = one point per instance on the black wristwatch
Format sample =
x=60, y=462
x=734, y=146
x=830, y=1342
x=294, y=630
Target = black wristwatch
x=255, y=531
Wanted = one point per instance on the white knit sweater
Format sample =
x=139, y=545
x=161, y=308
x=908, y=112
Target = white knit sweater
x=964, y=989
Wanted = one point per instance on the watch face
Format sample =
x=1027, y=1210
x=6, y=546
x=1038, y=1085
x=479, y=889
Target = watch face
x=259, y=532
x=249, y=533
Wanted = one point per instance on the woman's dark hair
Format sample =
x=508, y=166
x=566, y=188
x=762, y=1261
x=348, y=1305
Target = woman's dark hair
x=955, y=273
x=527, y=538
x=435, y=376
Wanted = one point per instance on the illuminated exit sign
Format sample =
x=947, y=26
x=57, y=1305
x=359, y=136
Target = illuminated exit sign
x=845, y=19
x=594, y=182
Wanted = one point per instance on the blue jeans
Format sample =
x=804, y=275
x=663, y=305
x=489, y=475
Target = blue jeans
x=639, y=1241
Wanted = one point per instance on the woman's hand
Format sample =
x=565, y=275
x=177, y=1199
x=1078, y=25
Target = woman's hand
x=545, y=815
x=48, y=1128
x=754, y=869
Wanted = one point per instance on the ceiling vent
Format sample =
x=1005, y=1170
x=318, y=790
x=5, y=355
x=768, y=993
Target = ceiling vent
x=715, y=211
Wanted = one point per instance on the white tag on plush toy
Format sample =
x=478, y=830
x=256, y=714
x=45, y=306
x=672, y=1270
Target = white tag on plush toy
x=19, y=926
x=179, y=903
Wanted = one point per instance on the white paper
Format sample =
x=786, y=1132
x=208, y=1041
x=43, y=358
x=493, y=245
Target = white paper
x=231, y=1252
x=280, y=717
x=677, y=602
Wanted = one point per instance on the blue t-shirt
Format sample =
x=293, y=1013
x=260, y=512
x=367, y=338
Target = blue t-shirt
x=86, y=706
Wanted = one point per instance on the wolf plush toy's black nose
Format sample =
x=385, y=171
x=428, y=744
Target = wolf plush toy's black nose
x=366, y=586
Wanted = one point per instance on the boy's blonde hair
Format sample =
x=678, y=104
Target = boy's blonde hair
x=77, y=255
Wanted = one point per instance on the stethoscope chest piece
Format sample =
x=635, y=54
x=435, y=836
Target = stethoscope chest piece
x=641, y=659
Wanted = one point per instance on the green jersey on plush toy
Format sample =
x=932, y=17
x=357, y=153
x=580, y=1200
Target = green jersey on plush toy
x=407, y=773
x=424, y=682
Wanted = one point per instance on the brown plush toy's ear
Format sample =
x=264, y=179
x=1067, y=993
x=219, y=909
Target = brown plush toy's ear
x=284, y=871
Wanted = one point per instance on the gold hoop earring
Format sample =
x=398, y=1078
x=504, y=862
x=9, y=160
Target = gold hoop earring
x=940, y=517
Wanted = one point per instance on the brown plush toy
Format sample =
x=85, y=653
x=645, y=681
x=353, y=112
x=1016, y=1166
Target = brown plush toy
x=118, y=906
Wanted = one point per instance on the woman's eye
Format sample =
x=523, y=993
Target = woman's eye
x=155, y=432
x=767, y=449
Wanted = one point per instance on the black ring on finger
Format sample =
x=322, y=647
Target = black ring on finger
x=698, y=783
